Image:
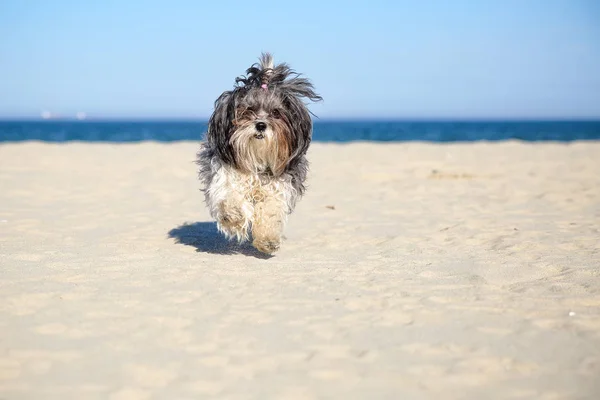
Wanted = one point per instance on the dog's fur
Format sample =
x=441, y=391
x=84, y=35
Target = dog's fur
x=252, y=162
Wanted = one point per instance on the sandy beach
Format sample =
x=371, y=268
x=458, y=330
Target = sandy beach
x=410, y=271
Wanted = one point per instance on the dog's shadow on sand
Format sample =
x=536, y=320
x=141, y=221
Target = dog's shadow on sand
x=205, y=237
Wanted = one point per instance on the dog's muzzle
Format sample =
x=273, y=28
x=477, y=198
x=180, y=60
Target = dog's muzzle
x=260, y=128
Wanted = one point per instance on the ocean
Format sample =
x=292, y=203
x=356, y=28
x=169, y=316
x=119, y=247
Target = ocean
x=324, y=131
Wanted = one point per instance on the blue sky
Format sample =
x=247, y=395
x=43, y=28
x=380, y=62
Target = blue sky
x=368, y=59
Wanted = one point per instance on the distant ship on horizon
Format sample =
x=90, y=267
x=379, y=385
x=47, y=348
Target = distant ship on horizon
x=47, y=115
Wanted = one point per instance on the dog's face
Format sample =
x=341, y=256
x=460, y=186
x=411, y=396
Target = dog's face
x=262, y=136
x=262, y=126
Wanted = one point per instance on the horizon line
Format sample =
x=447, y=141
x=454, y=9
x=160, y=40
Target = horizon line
x=316, y=119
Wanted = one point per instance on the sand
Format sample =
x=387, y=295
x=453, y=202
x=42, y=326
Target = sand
x=410, y=271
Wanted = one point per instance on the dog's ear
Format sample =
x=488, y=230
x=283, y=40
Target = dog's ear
x=300, y=126
x=295, y=90
x=220, y=127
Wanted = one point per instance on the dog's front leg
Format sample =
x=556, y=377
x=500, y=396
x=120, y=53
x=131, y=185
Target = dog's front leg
x=233, y=217
x=267, y=224
x=229, y=206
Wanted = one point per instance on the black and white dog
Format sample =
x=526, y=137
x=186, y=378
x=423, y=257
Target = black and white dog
x=252, y=163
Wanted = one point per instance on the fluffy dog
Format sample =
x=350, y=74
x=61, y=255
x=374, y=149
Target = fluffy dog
x=252, y=162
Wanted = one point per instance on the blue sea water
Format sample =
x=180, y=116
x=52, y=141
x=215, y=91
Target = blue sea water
x=324, y=131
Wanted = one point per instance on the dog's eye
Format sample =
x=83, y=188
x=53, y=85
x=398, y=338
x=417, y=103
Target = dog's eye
x=247, y=114
x=276, y=114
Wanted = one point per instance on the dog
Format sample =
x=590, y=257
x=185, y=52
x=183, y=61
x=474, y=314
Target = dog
x=252, y=161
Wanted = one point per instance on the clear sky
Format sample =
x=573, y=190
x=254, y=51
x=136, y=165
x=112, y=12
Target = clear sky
x=368, y=59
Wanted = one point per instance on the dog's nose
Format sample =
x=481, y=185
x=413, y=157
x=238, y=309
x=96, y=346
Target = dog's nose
x=261, y=126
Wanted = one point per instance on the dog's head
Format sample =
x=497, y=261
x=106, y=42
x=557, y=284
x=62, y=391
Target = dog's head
x=262, y=125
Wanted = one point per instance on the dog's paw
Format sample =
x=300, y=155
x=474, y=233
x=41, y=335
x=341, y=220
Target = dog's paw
x=233, y=231
x=233, y=223
x=267, y=245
